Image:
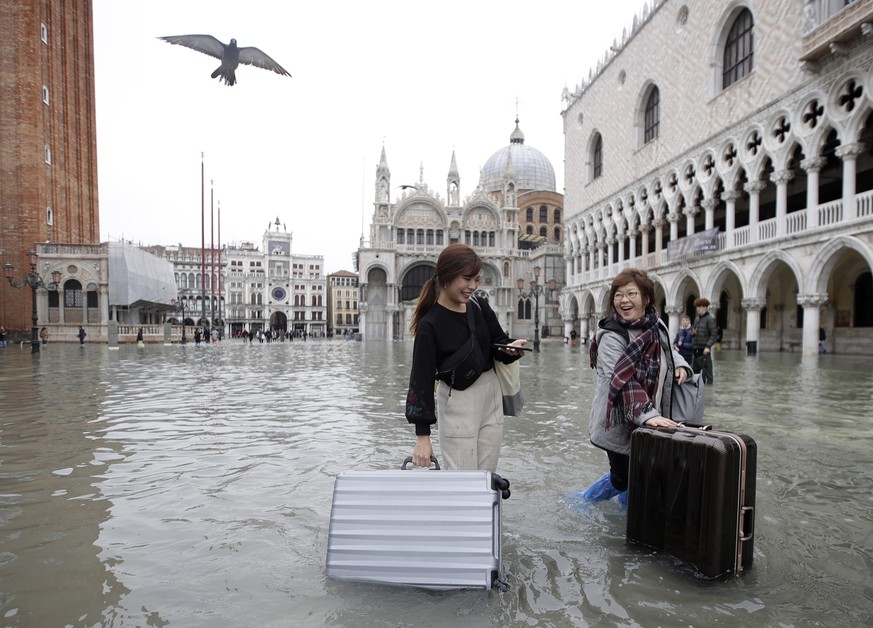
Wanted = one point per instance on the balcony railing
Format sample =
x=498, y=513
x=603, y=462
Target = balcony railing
x=829, y=216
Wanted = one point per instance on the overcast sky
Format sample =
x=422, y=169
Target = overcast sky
x=423, y=78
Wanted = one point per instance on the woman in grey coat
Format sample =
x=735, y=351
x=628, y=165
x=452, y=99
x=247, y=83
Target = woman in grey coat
x=636, y=369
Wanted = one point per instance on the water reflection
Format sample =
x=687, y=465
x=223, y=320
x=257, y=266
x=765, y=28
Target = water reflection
x=192, y=487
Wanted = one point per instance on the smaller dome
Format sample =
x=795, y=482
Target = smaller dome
x=531, y=169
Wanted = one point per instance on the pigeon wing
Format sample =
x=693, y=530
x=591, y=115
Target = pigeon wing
x=207, y=44
x=258, y=58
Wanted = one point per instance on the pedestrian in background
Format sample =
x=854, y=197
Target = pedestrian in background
x=82, y=334
x=684, y=340
x=44, y=336
x=705, y=333
x=2, y=336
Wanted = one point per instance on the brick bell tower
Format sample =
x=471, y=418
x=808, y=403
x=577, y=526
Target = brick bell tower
x=48, y=137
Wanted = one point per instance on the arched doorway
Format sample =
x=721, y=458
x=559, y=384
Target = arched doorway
x=279, y=322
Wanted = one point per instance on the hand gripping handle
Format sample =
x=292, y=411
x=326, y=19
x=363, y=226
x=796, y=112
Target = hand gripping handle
x=433, y=459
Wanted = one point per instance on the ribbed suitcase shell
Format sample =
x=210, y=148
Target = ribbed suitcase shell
x=430, y=529
x=691, y=493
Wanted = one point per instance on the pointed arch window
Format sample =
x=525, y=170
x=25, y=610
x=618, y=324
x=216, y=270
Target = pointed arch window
x=739, y=49
x=597, y=157
x=652, y=119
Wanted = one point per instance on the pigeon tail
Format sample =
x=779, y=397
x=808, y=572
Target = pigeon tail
x=226, y=75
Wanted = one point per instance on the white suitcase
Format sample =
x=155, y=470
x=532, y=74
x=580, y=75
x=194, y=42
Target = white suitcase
x=424, y=528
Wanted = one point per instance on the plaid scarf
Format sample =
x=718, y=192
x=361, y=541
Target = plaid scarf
x=635, y=377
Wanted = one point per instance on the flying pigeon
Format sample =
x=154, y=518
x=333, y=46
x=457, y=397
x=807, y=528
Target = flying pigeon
x=230, y=55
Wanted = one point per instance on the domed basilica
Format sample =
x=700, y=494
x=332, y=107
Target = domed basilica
x=513, y=219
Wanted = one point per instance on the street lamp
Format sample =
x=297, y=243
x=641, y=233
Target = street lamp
x=34, y=281
x=535, y=291
x=181, y=302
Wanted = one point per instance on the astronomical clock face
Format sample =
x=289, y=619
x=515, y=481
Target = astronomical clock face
x=279, y=294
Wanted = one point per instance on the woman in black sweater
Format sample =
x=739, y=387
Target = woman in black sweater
x=457, y=352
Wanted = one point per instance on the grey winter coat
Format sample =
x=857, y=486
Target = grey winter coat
x=610, y=347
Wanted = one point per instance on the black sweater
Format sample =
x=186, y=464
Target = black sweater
x=440, y=333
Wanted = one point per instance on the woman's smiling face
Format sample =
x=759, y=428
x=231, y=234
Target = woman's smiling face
x=629, y=302
x=459, y=291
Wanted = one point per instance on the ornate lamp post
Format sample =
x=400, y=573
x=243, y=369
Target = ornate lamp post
x=35, y=282
x=535, y=291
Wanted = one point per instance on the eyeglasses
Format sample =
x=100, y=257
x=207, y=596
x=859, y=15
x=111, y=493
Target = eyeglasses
x=630, y=294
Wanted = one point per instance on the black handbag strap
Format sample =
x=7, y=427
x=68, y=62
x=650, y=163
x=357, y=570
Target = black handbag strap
x=471, y=321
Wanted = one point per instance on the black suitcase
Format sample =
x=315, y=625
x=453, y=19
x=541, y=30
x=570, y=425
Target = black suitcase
x=691, y=493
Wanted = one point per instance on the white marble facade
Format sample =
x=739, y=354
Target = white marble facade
x=410, y=229
x=725, y=146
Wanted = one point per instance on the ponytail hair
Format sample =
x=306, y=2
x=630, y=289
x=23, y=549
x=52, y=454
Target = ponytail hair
x=456, y=260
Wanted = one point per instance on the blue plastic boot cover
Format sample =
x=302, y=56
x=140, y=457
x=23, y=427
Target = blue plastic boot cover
x=601, y=489
x=622, y=499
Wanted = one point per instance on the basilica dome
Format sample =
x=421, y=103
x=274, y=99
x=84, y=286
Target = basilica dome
x=531, y=169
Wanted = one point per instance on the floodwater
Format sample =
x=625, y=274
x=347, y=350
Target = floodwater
x=184, y=486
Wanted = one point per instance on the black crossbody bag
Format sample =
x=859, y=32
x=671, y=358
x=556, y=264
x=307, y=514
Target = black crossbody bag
x=464, y=366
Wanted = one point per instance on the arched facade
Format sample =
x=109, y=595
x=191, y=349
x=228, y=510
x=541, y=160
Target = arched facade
x=757, y=191
x=408, y=233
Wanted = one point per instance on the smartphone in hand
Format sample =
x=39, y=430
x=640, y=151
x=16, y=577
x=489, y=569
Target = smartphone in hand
x=516, y=347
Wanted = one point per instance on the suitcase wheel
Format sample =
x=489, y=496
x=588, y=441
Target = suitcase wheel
x=501, y=484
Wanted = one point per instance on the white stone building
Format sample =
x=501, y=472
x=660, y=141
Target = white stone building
x=275, y=289
x=725, y=146
x=408, y=232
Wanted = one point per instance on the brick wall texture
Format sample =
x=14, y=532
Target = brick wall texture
x=46, y=106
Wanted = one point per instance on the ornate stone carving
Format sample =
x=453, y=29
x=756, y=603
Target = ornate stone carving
x=754, y=305
x=850, y=151
x=783, y=176
x=755, y=187
x=812, y=299
x=813, y=164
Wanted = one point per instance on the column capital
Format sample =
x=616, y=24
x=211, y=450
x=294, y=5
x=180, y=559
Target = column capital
x=673, y=217
x=692, y=210
x=754, y=305
x=731, y=195
x=812, y=299
x=674, y=310
x=659, y=223
x=708, y=204
x=813, y=164
x=850, y=152
x=646, y=228
x=755, y=187
x=781, y=177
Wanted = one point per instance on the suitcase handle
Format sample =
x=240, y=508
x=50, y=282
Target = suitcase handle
x=433, y=459
x=695, y=427
x=747, y=512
